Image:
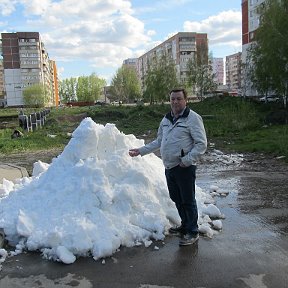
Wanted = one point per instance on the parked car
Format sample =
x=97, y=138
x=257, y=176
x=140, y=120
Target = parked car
x=101, y=103
x=116, y=102
x=270, y=98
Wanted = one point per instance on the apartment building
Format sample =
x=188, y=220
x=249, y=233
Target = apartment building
x=180, y=48
x=250, y=23
x=130, y=62
x=54, y=84
x=26, y=62
x=218, y=70
x=233, y=72
x=2, y=91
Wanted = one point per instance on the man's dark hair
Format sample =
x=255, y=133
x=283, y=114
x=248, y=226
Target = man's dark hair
x=179, y=90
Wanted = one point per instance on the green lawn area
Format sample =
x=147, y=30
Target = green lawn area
x=234, y=124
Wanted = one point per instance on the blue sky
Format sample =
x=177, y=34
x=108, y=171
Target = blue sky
x=86, y=36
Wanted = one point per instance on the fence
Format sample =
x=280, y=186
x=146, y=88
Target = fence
x=34, y=120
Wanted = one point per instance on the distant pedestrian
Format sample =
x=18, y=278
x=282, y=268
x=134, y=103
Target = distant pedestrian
x=182, y=140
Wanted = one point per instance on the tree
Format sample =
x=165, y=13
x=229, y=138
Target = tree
x=260, y=75
x=125, y=85
x=83, y=88
x=270, y=51
x=36, y=95
x=160, y=78
x=246, y=81
x=89, y=88
x=200, y=77
x=67, y=89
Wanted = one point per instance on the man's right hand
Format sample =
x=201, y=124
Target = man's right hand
x=134, y=152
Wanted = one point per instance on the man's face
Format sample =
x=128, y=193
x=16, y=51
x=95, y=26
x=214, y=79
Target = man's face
x=177, y=101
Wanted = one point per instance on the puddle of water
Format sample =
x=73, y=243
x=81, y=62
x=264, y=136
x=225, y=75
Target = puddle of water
x=68, y=281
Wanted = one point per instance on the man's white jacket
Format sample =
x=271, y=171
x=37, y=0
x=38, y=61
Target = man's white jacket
x=184, y=141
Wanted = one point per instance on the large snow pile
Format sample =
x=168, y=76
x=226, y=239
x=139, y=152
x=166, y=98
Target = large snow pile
x=93, y=198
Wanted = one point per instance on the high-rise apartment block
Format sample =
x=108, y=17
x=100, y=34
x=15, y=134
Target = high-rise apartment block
x=25, y=63
x=130, y=62
x=218, y=70
x=1, y=79
x=250, y=23
x=233, y=71
x=250, y=19
x=180, y=48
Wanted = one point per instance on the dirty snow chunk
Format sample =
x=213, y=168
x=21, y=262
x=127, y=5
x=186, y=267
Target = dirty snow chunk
x=209, y=199
x=18, y=249
x=217, y=224
x=39, y=167
x=224, y=193
x=153, y=286
x=147, y=243
x=3, y=255
x=6, y=187
x=218, y=152
x=213, y=188
x=65, y=255
x=205, y=219
x=218, y=157
x=206, y=230
x=212, y=211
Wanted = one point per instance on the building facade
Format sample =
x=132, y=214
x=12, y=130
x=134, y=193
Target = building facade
x=25, y=63
x=2, y=90
x=180, y=48
x=218, y=70
x=233, y=72
x=250, y=23
x=130, y=62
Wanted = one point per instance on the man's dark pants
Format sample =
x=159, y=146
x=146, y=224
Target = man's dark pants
x=181, y=186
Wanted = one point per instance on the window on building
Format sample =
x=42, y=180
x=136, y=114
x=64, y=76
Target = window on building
x=187, y=39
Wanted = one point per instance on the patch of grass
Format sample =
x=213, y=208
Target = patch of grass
x=59, y=123
x=232, y=123
x=272, y=139
x=229, y=115
x=38, y=140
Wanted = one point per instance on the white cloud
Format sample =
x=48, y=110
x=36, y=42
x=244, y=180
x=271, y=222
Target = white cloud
x=103, y=32
x=3, y=24
x=151, y=32
x=161, y=5
x=35, y=7
x=7, y=7
x=223, y=29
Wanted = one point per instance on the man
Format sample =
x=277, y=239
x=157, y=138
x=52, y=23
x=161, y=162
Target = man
x=182, y=140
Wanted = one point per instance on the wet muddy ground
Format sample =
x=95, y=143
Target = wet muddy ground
x=251, y=251
x=262, y=187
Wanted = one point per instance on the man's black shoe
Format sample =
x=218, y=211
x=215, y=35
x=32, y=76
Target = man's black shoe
x=176, y=230
x=188, y=239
